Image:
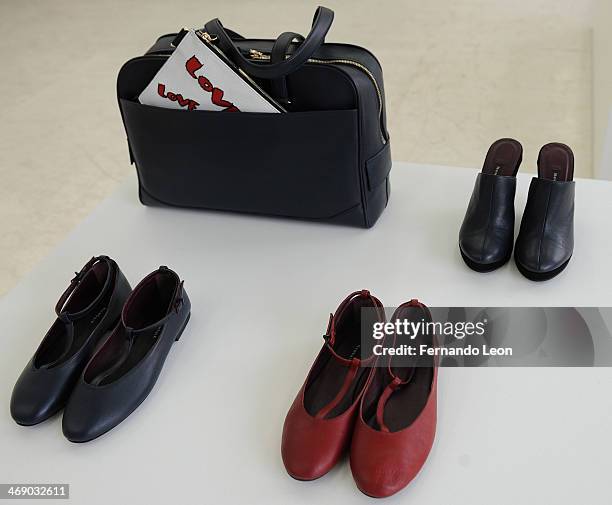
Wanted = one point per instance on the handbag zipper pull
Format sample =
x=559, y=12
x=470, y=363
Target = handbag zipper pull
x=254, y=54
x=207, y=37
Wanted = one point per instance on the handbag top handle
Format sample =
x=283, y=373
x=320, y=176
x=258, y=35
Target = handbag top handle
x=321, y=24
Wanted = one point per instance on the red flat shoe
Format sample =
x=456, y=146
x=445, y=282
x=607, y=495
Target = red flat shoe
x=396, y=425
x=319, y=424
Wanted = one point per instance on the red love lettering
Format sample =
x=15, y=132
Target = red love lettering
x=183, y=102
x=192, y=65
x=205, y=84
x=217, y=98
x=176, y=97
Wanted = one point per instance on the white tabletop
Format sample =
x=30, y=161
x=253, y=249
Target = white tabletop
x=261, y=291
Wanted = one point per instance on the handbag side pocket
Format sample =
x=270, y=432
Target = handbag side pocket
x=300, y=164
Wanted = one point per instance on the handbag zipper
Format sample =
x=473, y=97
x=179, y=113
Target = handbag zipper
x=254, y=54
x=210, y=40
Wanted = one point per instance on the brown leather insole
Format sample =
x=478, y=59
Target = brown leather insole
x=556, y=162
x=503, y=158
x=406, y=402
x=328, y=376
x=58, y=346
x=324, y=387
x=121, y=355
x=128, y=357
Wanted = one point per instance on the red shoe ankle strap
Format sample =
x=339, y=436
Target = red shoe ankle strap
x=331, y=326
x=353, y=364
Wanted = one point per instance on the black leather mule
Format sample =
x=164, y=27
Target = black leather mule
x=487, y=232
x=545, y=243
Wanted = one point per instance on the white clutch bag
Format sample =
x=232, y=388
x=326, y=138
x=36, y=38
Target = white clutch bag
x=198, y=76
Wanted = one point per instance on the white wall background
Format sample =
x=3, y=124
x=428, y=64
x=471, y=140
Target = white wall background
x=602, y=89
x=458, y=75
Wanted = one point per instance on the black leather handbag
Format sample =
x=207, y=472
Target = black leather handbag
x=327, y=158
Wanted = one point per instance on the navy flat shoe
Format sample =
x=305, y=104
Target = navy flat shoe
x=89, y=308
x=124, y=370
